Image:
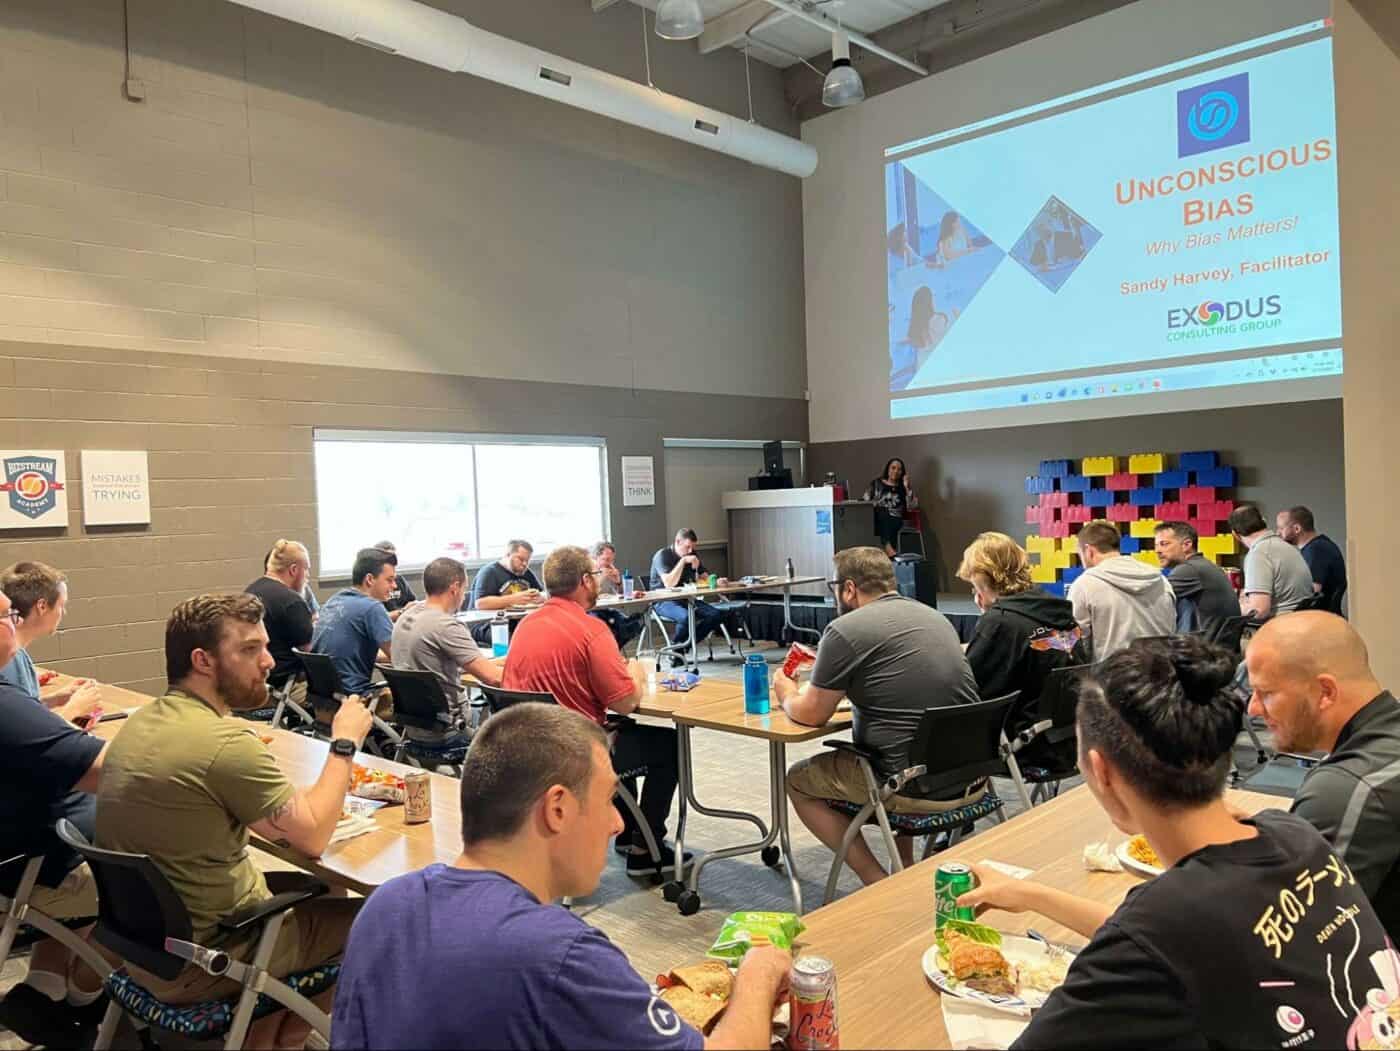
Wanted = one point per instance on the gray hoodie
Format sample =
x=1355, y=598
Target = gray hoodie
x=1119, y=600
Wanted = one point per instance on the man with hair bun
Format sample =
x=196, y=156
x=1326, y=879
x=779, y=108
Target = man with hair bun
x=286, y=616
x=1256, y=928
x=1314, y=688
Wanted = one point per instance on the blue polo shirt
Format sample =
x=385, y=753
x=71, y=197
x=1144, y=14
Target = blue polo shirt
x=450, y=958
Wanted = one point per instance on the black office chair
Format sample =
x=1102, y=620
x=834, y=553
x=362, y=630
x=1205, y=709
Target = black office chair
x=19, y=913
x=955, y=747
x=143, y=921
x=1047, y=751
x=498, y=700
x=431, y=737
x=324, y=694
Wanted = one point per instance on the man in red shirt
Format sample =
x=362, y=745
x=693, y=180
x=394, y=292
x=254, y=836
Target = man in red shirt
x=560, y=649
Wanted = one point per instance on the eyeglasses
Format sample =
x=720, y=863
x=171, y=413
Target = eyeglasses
x=834, y=585
x=14, y=617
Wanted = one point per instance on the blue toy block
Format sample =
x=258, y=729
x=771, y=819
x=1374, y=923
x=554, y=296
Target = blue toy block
x=1129, y=545
x=1053, y=468
x=1145, y=497
x=1074, y=483
x=1219, y=477
x=1036, y=484
x=1172, y=480
x=1098, y=497
x=1057, y=589
x=1069, y=576
x=1202, y=461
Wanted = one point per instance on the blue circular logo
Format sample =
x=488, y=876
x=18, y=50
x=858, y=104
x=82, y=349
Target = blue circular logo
x=1213, y=116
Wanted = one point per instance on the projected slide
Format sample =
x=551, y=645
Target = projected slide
x=1175, y=230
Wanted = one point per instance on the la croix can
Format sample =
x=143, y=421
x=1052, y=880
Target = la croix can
x=812, y=1024
x=418, y=798
x=952, y=880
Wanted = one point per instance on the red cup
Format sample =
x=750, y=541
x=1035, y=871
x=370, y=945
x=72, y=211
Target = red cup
x=797, y=656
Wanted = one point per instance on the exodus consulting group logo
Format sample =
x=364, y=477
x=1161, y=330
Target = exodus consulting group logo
x=1213, y=115
x=1212, y=317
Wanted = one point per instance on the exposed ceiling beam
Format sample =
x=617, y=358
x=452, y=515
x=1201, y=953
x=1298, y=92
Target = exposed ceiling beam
x=603, y=5
x=732, y=26
x=942, y=38
x=803, y=10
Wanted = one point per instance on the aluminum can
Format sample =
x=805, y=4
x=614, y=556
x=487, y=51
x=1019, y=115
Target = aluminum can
x=418, y=797
x=812, y=995
x=952, y=880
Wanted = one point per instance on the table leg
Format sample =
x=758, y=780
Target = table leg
x=787, y=615
x=694, y=654
x=777, y=777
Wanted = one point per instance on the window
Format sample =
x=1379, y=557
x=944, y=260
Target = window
x=458, y=495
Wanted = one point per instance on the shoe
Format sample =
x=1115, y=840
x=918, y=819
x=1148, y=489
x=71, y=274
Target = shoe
x=642, y=865
x=36, y=1019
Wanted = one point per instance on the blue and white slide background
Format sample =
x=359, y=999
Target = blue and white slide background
x=1104, y=299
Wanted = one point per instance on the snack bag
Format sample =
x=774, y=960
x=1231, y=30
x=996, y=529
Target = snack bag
x=368, y=783
x=743, y=930
x=680, y=681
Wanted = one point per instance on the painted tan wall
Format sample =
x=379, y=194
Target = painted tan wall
x=1368, y=131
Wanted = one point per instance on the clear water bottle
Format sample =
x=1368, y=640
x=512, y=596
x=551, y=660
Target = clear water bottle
x=500, y=635
x=626, y=584
x=755, y=684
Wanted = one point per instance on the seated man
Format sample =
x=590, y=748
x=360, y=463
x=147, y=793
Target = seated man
x=286, y=616
x=185, y=783
x=50, y=770
x=353, y=628
x=624, y=627
x=893, y=657
x=39, y=594
x=562, y=651
x=674, y=567
x=503, y=585
x=429, y=637
x=1320, y=552
x=402, y=596
x=1314, y=687
x=504, y=968
x=1205, y=598
x=1118, y=599
x=1276, y=579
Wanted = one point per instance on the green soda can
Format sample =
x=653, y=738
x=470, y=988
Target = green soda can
x=952, y=880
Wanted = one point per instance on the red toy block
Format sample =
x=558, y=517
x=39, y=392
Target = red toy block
x=1198, y=494
x=1172, y=512
x=1055, y=529
x=1204, y=526
x=1032, y=514
x=1054, y=499
x=1219, y=510
x=1123, y=513
x=1121, y=482
x=1078, y=514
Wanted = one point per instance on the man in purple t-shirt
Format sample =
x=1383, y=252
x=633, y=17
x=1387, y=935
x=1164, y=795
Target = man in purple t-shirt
x=475, y=954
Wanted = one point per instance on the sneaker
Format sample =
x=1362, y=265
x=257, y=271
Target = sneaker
x=640, y=864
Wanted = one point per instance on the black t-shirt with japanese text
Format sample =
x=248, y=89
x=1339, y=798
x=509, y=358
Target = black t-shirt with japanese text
x=1266, y=942
x=666, y=560
x=287, y=618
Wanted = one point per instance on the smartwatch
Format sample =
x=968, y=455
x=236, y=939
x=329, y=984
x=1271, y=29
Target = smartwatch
x=344, y=747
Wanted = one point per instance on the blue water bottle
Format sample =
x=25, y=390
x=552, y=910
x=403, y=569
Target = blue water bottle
x=626, y=584
x=755, y=684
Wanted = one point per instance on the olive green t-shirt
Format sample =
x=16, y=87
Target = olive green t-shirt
x=182, y=784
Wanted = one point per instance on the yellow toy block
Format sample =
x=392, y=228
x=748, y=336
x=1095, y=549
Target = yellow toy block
x=1043, y=574
x=1143, y=527
x=1215, y=546
x=1150, y=557
x=1099, y=466
x=1059, y=560
x=1226, y=545
x=1040, y=545
x=1147, y=463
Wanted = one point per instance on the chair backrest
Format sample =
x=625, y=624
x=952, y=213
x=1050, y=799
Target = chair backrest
x=323, y=689
x=419, y=698
x=961, y=743
x=1313, y=601
x=1231, y=632
x=1059, y=699
x=498, y=700
x=137, y=908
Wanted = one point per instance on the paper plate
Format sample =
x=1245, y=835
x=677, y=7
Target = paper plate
x=1017, y=951
x=1132, y=864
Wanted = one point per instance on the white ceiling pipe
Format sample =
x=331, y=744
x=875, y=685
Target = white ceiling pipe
x=437, y=38
x=797, y=10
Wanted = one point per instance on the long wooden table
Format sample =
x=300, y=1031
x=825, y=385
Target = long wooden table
x=877, y=936
x=727, y=715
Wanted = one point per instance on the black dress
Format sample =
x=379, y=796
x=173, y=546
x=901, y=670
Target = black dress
x=891, y=501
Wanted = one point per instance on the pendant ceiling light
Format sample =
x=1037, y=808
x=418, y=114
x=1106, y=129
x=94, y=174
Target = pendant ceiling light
x=843, y=86
x=679, y=19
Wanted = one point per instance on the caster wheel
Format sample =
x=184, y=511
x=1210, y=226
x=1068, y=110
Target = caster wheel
x=672, y=890
x=688, y=903
x=771, y=856
x=656, y=879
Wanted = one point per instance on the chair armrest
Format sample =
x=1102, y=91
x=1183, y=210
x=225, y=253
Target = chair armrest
x=894, y=784
x=253, y=915
x=1030, y=733
x=850, y=746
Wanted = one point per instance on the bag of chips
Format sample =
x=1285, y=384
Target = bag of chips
x=744, y=930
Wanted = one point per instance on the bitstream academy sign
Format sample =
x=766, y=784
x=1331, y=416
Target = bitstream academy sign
x=35, y=490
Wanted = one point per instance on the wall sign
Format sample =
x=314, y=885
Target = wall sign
x=35, y=497
x=638, y=481
x=116, y=488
